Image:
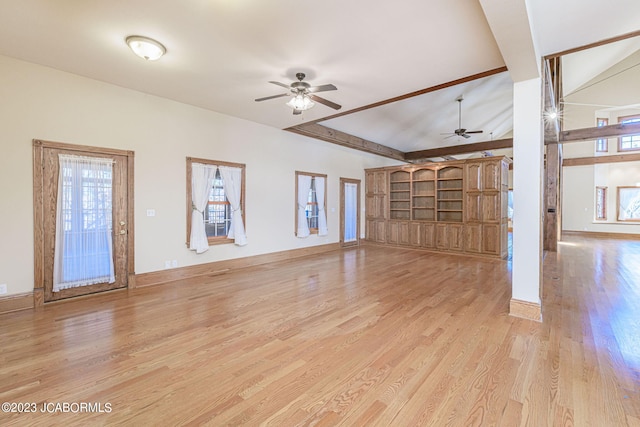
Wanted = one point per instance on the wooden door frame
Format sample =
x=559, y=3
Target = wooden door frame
x=342, y=182
x=38, y=211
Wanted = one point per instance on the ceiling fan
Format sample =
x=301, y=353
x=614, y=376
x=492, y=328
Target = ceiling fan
x=461, y=131
x=303, y=95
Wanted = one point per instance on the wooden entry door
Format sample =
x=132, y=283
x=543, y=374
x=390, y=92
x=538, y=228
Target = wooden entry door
x=349, y=212
x=46, y=177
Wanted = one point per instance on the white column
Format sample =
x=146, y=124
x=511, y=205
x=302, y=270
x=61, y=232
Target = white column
x=528, y=149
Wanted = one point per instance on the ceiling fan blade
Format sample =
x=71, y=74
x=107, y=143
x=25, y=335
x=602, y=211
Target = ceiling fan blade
x=474, y=131
x=296, y=112
x=322, y=88
x=325, y=102
x=281, y=85
x=464, y=135
x=271, y=97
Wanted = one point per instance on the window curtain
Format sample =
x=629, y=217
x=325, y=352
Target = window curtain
x=322, y=215
x=304, y=185
x=232, y=178
x=202, y=177
x=350, y=211
x=83, y=253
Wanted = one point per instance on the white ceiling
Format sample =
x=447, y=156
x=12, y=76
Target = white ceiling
x=222, y=53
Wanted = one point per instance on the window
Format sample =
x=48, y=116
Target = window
x=631, y=142
x=601, y=203
x=217, y=204
x=311, y=199
x=628, y=203
x=602, y=144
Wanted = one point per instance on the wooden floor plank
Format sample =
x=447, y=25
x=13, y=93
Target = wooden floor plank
x=371, y=336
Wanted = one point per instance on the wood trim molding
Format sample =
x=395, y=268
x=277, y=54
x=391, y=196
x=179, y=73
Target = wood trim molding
x=586, y=161
x=16, y=302
x=593, y=133
x=595, y=44
x=602, y=235
x=525, y=310
x=314, y=130
x=227, y=266
x=459, y=149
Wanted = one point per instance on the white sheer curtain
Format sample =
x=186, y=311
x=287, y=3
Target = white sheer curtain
x=322, y=215
x=83, y=252
x=350, y=211
x=201, y=181
x=232, y=178
x=304, y=185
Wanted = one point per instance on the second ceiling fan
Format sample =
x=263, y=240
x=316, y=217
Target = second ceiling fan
x=461, y=131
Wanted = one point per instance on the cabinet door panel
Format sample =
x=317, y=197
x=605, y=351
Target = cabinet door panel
x=491, y=209
x=429, y=233
x=456, y=237
x=473, y=176
x=491, y=174
x=442, y=236
x=416, y=234
x=392, y=233
x=380, y=182
x=473, y=207
x=381, y=231
x=491, y=239
x=403, y=233
x=473, y=238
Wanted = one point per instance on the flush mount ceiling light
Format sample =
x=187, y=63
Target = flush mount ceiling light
x=145, y=47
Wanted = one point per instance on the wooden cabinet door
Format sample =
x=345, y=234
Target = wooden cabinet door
x=403, y=233
x=473, y=207
x=381, y=231
x=376, y=182
x=473, y=238
x=473, y=177
x=442, y=236
x=456, y=237
x=398, y=233
x=491, y=174
x=491, y=239
x=392, y=232
x=370, y=230
x=429, y=234
x=491, y=209
x=415, y=234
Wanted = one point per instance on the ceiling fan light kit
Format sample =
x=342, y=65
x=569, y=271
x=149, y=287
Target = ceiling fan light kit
x=302, y=95
x=301, y=102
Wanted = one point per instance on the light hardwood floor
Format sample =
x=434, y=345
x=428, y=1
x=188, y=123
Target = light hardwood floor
x=371, y=336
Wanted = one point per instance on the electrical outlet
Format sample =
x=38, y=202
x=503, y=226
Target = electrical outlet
x=174, y=263
x=3, y=288
x=167, y=264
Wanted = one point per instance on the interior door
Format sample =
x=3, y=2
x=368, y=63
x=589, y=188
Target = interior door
x=349, y=212
x=114, y=188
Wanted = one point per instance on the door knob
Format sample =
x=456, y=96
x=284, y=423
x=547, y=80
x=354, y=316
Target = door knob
x=123, y=231
x=122, y=223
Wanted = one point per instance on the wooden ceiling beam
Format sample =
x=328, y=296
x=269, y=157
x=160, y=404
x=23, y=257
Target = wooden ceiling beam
x=459, y=149
x=611, y=131
x=587, y=161
x=314, y=130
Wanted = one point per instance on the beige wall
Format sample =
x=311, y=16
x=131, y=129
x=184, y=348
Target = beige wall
x=41, y=103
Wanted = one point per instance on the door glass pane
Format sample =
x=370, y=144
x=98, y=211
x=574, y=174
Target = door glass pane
x=350, y=212
x=84, y=252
